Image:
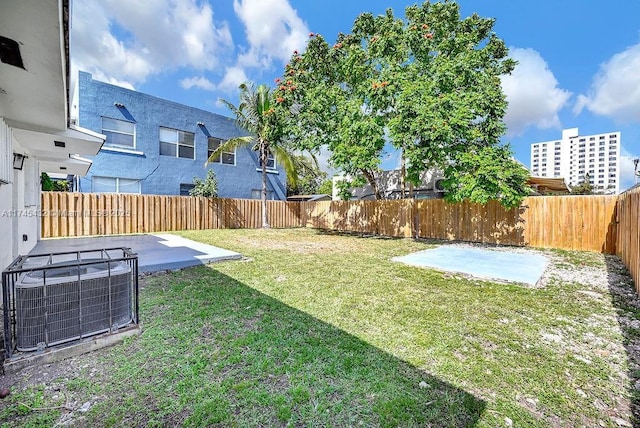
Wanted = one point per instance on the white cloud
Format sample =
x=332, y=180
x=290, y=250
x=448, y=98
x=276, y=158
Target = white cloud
x=533, y=93
x=615, y=91
x=197, y=82
x=233, y=77
x=273, y=29
x=124, y=41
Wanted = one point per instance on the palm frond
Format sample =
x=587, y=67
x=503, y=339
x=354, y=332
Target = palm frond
x=287, y=160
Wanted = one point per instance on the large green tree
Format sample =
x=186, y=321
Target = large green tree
x=429, y=84
x=255, y=113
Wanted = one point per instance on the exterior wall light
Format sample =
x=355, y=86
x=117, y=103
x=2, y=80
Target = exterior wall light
x=18, y=160
x=119, y=105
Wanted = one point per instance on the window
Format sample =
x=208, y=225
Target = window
x=119, y=133
x=592, y=138
x=114, y=185
x=257, y=194
x=185, y=188
x=613, y=136
x=582, y=140
x=601, y=138
x=177, y=143
x=271, y=161
x=227, y=158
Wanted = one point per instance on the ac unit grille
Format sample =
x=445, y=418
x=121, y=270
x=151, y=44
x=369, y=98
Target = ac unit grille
x=71, y=310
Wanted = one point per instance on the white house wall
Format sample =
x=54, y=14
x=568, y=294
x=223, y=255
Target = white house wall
x=19, y=202
x=28, y=202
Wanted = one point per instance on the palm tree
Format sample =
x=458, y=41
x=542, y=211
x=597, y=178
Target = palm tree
x=256, y=114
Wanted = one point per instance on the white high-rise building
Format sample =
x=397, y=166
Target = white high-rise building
x=575, y=156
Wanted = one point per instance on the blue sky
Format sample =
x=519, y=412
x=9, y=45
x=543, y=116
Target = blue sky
x=579, y=61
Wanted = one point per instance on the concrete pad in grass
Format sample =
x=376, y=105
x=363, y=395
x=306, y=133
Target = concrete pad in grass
x=521, y=267
x=155, y=252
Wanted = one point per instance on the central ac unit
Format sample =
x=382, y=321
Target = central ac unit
x=66, y=303
x=438, y=185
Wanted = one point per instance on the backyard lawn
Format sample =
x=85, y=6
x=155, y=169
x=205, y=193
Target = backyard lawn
x=321, y=329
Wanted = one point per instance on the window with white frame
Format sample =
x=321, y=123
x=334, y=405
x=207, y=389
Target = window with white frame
x=226, y=158
x=114, y=185
x=176, y=143
x=271, y=161
x=119, y=133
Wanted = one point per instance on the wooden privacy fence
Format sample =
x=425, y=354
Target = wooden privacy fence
x=85, y=214
x=568, y=222
x=628, y=245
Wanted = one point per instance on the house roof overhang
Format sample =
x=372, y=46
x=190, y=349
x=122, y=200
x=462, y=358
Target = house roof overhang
x=34, y=97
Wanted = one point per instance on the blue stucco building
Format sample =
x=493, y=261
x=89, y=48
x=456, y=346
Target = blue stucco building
x=156, y=146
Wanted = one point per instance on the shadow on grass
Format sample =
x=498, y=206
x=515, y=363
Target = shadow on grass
x=627, y=304
x=230, y=355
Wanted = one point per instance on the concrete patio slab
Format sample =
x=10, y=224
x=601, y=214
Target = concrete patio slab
x=155, y=251
x=500, y=265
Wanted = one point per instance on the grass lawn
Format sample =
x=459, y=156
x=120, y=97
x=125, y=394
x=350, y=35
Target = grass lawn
x=317, y=329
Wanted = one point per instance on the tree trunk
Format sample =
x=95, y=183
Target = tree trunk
x=403, y=173
x=263, y=158
x=371, y=179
